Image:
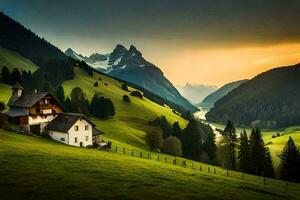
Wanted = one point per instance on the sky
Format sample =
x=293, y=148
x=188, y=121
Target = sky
x=209, y=42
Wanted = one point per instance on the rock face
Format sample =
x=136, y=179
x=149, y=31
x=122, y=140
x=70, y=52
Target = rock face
x=130, y=66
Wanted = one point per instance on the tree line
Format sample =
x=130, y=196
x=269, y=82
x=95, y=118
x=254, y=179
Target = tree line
x=196, y=141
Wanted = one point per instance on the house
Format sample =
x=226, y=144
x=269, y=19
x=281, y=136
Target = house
x=40, y=113
x=73, y=129
x=32, y=110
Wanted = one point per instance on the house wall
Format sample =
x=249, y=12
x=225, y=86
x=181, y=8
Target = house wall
x=59, y=136
x=98, y=138
x=81, y=133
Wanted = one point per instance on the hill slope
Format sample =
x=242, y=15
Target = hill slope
x=271, y=99
x=130, y=66
x=131, y=121
x=209, y=101
x=12, y=60
x=17, y=38
x=76, y=173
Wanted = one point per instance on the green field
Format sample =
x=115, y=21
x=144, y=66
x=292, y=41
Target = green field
x=12, y=60
x=5, y=92
x=38, y=168
x=131, y=122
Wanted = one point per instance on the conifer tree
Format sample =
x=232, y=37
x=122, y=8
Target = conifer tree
x=243, y=153
x=257, y=152
x=5, y=76
x=230, y=134
x=268, y=165
x=60, y=93
x=290, y=162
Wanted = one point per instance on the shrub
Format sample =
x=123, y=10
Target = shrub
x=273, y=136
x=96, y=84
x=278, y=135
x=126, y=98
x=124, y=87
x=172, y=145
x=154, y=140
x=137, y=93
x=102, y=107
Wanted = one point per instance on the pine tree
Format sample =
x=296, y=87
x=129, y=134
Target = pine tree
x=5, y=76
x=256, y=152
x=268, y=165
x=15, y=76
x=177, y=131
x=60, y=93
x=243, y=153
x=230, y=134
x=79, y=102
x=290, y=162
x=191, y=145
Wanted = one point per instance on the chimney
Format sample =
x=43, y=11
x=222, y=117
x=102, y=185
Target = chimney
x=17, y=91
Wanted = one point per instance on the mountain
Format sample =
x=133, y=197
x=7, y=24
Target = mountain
x=195, y=92
x=209, y=101
x=130, y=66
x=270, y=100
x=15, y=37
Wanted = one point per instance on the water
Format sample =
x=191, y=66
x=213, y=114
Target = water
x=201, y=113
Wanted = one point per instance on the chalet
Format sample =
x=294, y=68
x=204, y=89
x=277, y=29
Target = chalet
x=40, y=113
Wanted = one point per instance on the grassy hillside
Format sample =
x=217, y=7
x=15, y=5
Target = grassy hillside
x=130, y=123
x=12, y=60
x=38, y=168
x=5, y=92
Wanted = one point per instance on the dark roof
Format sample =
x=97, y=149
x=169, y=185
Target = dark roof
x=28, y=99
x=17, y=112
x=64, y=121
x=17, y=85
x=97, y=132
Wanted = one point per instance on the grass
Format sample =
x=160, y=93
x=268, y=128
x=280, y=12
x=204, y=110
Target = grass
x=38, y=168
x=13, y=60
x=131, y=122
x=5, y=92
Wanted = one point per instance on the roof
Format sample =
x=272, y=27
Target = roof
x=17, y=85
x=64, y=121
x=28, y=99
x=17, y=112
x=97, y=132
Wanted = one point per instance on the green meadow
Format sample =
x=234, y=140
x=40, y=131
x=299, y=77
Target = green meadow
x=12, y=60
x=38, y=168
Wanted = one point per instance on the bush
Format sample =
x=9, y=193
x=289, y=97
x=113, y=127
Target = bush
x=273, y=136
x=2, y=106
x=137, y=93
x=278, y=135
x=124, y=87
x=96, y=84
x=102, y=107
x=172, y=145
x=154, y=140
x=126, y=98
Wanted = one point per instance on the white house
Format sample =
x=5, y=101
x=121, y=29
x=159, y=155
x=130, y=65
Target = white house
x=41, y=113
x=73, y=129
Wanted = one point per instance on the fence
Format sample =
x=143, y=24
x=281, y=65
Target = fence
x=204, y=168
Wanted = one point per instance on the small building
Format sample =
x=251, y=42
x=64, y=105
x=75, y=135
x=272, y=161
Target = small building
x=73, y=129
x=32, y=110
x=40, y=113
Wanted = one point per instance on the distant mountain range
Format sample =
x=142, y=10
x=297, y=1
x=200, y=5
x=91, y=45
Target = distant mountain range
x=195, y=93
x=270, y=100
x=209, y=101
x=130, y=66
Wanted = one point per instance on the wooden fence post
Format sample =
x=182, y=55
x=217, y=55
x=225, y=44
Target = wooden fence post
x=208, y=169
x=200, y=168
x=123, y=150
x=132, y=153
x=116, y=149
x=157, y=157
x=166, y=159
x=214, y=171
x=227, y=173
x=141, y=154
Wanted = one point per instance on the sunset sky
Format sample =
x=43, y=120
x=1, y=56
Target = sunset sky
x=208, y=42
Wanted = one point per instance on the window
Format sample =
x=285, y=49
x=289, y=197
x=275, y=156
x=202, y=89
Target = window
x=75, y=140
x=86, y=127
x=87, y=138
x=76, y=128
x=62, y=139
x=46, y=101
